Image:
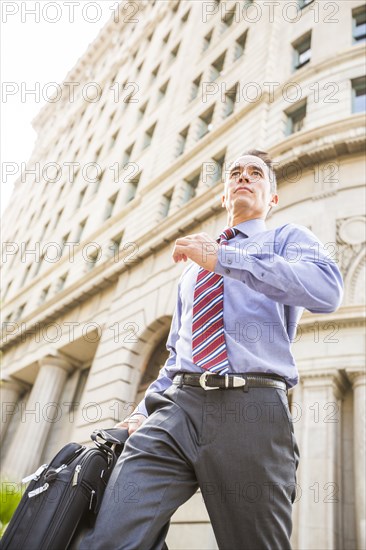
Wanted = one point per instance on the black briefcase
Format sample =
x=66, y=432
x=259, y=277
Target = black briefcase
x=63, y=497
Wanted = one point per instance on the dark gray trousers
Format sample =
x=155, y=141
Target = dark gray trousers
x=238, y=447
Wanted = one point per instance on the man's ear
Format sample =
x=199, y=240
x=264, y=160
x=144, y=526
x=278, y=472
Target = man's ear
x=274, y=200
x=223, y=204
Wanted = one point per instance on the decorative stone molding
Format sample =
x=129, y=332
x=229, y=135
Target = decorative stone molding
x=326, y=378
x=350, y=239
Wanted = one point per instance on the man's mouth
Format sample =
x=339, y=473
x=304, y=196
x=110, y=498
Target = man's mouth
x=243, y=189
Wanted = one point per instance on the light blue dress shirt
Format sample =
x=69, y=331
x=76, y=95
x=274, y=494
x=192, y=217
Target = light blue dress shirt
x=270, y=277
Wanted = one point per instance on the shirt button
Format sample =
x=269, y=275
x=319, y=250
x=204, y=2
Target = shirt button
x=227, y=270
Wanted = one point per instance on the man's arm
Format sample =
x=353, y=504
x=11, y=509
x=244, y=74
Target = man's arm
x=305, y=277
x=163, y=381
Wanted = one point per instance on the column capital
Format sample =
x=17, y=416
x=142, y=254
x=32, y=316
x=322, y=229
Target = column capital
x=56, y=361
x=16, y=386
x=325, y=377
x=357, y=377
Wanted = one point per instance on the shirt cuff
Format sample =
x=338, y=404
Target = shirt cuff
x=228, y=263
x=140, y=409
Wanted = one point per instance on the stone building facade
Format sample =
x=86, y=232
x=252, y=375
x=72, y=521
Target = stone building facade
x=131, y=154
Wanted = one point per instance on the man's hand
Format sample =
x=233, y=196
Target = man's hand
x=200, y=248
x=132, y=423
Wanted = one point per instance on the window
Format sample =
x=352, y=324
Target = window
x=38, y=266
x=155, y=72
x=174, y=53
x=240, y=45
x=359, y=95
x=191, y=185
x=359, y=25
x=302, y=51
x=65, y=239
x=195, y=87
x=162, y=90
x=115, y=245
x=182, y=139
x=148, y=136
x=98, y=181
x=167, y=200
x=58, y=217
x=219, y=165
x=141, y=112
x=43, y=295
x=61, y=190
x=175, y=6
x=25, y=276
x=60, y=283
x=97, y=154
x=19, y=312
x=185, y=16
x=228, y=20
x=217, y=67
x=45, y=228
x=207, y=40
x=132, y=187
x=110, y=206
x=296, y=118
x=205, y=125
x=113, y=139
x=92, y=260
x=81, y=198
x=304, y=3
x=127, y=155
x=230, y=100
x=80, y=231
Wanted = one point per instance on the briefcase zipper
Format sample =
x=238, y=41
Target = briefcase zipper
x=39, y=490
x=91, y=499
x=76, y=475
x=36, y=475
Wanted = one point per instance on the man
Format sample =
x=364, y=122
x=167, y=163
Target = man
x=224, y=425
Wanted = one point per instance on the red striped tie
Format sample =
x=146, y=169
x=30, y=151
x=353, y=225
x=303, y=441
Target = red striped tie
x=208, y=339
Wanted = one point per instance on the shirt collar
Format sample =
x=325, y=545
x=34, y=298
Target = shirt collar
x=251, y=227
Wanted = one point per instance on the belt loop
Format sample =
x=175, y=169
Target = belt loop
x=180, y=382
x=246, y=386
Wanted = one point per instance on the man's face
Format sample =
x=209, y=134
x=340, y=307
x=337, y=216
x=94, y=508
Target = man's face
x=248, y=188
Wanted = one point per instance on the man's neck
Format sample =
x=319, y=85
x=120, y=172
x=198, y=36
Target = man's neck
x=235, y=220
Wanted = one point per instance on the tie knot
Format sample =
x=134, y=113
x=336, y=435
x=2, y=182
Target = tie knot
x=227, y=234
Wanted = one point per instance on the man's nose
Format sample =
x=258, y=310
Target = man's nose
x=243, y=177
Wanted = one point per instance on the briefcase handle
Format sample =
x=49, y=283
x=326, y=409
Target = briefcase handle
x=113, y=439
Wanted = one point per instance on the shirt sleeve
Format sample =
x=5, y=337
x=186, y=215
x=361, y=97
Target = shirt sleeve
x=163, y=381
x=296, y=270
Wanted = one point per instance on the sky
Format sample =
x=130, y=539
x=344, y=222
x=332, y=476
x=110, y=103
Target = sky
x=37, y=49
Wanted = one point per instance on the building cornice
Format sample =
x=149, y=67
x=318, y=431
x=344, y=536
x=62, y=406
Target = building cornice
x=309, y=147
x=345, y=316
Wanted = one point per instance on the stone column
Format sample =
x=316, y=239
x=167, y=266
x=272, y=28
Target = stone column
x=358, y=379
x=10, y=391
x=319, y=501
x=38, y=416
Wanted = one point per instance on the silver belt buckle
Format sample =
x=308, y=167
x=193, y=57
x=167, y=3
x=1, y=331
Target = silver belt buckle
x=203, y=380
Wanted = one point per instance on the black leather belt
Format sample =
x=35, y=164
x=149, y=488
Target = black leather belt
x=212, y=381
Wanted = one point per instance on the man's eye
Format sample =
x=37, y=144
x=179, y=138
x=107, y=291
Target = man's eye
x=257, y=172
x=235, y=174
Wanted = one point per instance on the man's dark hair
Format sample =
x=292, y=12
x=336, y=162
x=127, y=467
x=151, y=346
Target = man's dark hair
x=267, y=159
